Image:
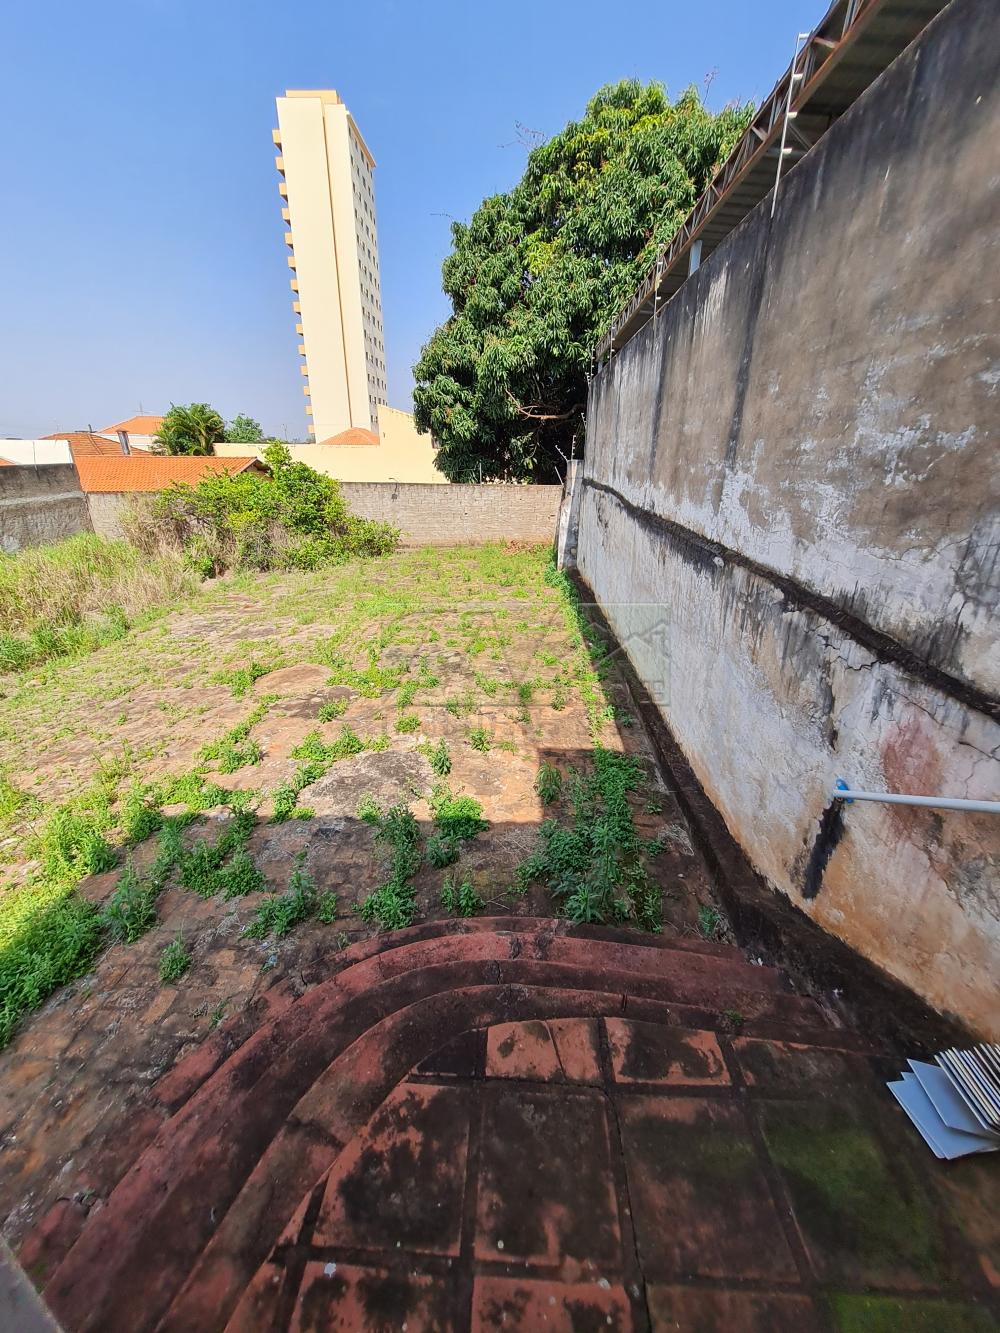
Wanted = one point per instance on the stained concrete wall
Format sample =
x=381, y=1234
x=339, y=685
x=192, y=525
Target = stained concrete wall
x=798, y=462
x=40, y=504
x=106, y=513
x=430, y=515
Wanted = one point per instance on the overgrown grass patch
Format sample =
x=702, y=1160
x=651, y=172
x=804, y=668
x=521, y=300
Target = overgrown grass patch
x=595, y=866
x=71, y=597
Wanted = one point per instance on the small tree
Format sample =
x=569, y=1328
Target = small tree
x=244, y=430
x=194, y=429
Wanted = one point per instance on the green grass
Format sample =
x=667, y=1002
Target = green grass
x=48, y=934
x=480, y=739
x=316, y=756
x=408, y=722
x=330, y=711
x=241, y=680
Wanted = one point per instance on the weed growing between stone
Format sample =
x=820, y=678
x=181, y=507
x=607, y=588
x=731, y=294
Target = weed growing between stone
x=438, y=756
x=241, y=679
x=548, y=783
x=235, y=749
x=330, y=711
x=49, y=935
x=174, y=961
x=369, y=681
x=456, y=820
x=460, y=898
x=710, y=922
x=397, y=834
x=480, y=739
x=277, y=914
x=317, y=756
x=595, y=866
x=460, y=610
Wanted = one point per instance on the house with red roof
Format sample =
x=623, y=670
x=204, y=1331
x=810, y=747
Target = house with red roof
x=108, y=481
x=134, y=432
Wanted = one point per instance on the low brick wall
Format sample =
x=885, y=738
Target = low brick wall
x=40, y=504
x=428, y=515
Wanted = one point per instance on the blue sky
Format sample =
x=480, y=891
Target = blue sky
x=141, y=239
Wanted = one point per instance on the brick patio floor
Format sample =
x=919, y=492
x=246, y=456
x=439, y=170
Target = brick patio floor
x=511, y=1124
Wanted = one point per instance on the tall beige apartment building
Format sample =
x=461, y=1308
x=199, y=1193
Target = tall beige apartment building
x=329, y=205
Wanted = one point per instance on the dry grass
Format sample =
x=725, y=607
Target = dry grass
x=73, y=595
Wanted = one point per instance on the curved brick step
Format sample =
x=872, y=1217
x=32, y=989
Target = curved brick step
x=272, y=1117
x=644, y=953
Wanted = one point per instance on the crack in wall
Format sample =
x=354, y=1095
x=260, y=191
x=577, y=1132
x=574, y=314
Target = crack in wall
x=710, y=555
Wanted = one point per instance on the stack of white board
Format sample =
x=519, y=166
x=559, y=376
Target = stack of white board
x=954, y=1103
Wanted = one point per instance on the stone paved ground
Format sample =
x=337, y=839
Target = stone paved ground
x=486, y=1124
x=508, y=1124
x=74, y=1083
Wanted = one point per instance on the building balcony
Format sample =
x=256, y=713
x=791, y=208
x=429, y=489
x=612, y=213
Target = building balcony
x=301, y=349
x=288, y=234
x=299, y=330
x=305, y=390
x=304, y=370
x=276, y=138
x=286, y=215
x=294, y=284
x=279, y=163
x=283, y=189
x=291, y=261
x=297, y=310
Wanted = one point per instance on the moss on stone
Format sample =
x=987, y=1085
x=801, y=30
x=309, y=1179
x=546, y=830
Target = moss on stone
x=863, y=1218
x=886, y=1314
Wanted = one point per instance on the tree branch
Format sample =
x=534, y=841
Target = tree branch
x=536, y=412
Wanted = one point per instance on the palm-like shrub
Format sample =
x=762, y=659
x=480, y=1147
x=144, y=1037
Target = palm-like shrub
x=194, y=429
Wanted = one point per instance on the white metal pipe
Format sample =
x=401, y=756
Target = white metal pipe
x=845, y=793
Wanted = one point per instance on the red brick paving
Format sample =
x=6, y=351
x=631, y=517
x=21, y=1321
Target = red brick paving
x=562, y=1050
x=465, y=1129
x=671, y=1057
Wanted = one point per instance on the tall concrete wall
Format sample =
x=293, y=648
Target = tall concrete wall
x=40, y=504
x=798, y=463
x=431, y=515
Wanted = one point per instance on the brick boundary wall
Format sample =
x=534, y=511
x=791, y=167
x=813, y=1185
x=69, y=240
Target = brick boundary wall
x=429, y=515
x=40, y=504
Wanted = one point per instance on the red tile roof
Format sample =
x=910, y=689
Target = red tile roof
x=135, y=426
x=150, y=472
x=353, y=435
x=85, y=444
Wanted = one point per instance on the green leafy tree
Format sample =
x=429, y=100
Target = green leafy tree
x=244, y=430
x=194, y=429
x=537, y=275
